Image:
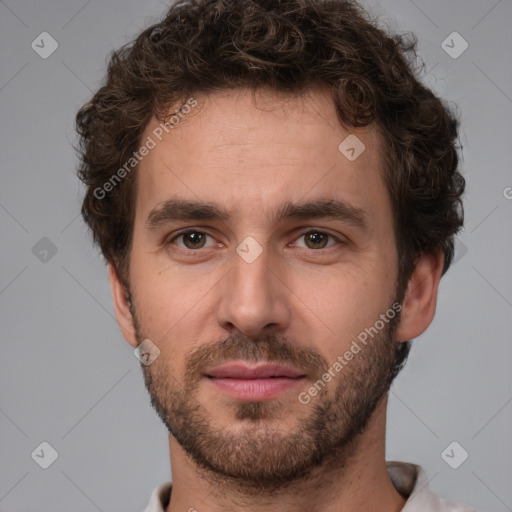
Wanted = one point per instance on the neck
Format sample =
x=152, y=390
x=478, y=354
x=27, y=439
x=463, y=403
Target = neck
x=352, y=479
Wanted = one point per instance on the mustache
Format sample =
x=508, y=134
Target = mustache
x=270, y=348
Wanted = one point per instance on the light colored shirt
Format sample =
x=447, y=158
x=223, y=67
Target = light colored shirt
x=409, y=480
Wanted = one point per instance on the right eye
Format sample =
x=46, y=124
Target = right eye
x=192, y=239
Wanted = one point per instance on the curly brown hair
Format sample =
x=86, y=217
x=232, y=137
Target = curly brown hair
x=286, y=45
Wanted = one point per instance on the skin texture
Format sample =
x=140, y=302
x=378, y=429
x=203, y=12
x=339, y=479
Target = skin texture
x=301, y=302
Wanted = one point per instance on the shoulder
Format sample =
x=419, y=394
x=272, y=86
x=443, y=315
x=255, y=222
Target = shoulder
x=411, y=481
x=159, y=498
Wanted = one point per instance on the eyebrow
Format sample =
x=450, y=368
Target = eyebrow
x=188, y=210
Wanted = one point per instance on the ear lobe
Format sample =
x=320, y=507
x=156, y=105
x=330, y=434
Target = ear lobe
x=122, y=307
x=419, y=304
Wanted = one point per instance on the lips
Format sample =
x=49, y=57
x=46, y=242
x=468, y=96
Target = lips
x=248, y=372
x=254, y=383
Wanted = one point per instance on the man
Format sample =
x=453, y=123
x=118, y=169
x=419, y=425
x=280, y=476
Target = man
x=276, y=196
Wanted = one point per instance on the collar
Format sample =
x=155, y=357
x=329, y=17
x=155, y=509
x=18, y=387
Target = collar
x=410, y=480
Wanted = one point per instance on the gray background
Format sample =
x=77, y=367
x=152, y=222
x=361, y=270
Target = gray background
x=67, y=376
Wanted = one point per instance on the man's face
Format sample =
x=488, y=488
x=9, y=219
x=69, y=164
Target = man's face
x=263, y=283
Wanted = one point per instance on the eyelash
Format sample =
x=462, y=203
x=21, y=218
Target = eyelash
x=316, y=231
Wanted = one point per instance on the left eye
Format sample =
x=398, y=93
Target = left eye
x=317, y=239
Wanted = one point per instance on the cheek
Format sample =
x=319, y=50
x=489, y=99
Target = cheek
x=168, y=304
x=174, y=309
x=337, y=305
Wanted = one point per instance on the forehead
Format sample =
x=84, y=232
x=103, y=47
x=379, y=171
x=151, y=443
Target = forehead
x=249, y=152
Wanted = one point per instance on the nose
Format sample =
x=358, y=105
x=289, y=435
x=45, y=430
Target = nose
x=253, y=297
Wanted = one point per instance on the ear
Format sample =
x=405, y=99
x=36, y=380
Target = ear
x=122, y=307
x=419, y=304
